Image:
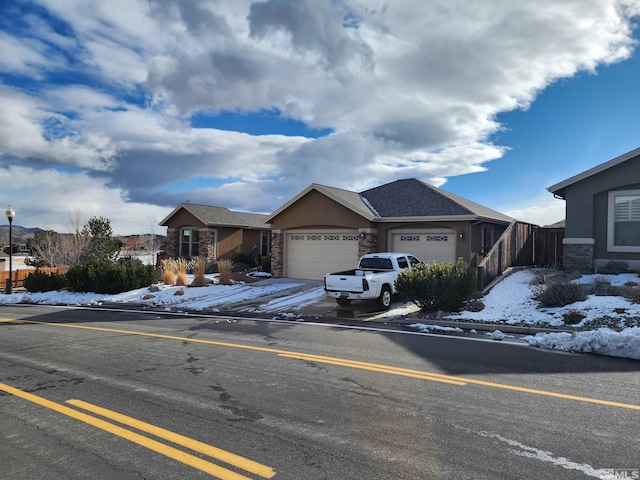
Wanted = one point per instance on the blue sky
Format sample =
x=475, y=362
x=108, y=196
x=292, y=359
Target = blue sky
x=123, y=109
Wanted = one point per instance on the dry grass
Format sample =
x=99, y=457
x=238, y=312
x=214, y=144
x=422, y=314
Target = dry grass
x=181, y=271
x=224, y=268
x=199, y=267
x=169, y=270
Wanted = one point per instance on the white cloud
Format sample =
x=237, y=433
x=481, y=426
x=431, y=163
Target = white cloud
x=411, y=89
x=67, y=194
x=542, y=211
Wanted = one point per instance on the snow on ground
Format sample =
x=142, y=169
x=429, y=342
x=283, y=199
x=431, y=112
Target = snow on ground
x=510, y=302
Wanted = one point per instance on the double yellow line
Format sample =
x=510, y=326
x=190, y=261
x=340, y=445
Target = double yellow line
x=171, y=452
x=435, y=377
x=374, y=367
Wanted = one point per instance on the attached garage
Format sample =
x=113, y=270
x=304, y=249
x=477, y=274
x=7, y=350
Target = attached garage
x=323, y=229
x=428, y=245
x=311, y=254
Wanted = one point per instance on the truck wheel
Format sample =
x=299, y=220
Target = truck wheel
x=343, y=302
x=384, y=300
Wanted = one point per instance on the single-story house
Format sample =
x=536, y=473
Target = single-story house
x=211, y=232
x=325, y=229
x=602, y=214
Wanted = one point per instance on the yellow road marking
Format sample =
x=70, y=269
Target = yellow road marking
x=376, y=368
x=343, y=362
x=191, y=460
x=195, y=445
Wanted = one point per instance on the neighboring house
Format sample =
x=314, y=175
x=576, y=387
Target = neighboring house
x=214, y=232
x=325, y=229
x=602, y=214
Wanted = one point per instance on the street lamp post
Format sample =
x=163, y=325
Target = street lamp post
x=10, y=214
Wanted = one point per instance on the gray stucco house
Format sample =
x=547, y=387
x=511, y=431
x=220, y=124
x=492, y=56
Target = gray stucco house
x=602, y=214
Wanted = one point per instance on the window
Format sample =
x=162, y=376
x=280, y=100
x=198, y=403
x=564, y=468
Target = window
x=623, y=232
x=413, y=261
x=189, y=242
x=403, y=263
x=265, y=243
x=376, y=263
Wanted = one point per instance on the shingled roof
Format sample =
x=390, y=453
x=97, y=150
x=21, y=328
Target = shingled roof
x=407, y=199
x=414, y=198
x=221, y=216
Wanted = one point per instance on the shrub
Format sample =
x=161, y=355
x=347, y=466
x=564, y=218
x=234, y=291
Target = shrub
x=438, y=286
x=251, y=259
x=104, y=276
x=573, y=317
x=240, y=267
x=631, y=291
x=265, y=264
x=614, y=267
x=562, y=293
x=225, y=267
x=602, y=287
x=39, y=281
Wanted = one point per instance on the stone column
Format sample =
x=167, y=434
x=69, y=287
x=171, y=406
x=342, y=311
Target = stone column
x=277, y=253
x=172, y=243
x=367, y=241
x=208, y=244
x=578, y=254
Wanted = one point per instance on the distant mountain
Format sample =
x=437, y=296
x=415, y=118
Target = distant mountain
x=19, y=234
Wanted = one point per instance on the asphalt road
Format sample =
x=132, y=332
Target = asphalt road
x=92, y=394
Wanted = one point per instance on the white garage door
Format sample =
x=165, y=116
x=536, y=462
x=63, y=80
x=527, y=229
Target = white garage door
x=427, y=245
x=311, y=254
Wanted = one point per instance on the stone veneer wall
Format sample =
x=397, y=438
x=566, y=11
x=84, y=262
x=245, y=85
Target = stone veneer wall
x=367, y=241
x=577, y=256
x=277, y=254
x=172, y=242
x=208, y=244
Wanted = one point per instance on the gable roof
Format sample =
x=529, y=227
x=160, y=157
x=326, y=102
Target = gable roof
x=408, y=199
x=220, y=216
x=559, y=189
x=346, y=198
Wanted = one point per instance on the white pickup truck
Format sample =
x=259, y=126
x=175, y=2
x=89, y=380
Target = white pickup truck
x=373, y=279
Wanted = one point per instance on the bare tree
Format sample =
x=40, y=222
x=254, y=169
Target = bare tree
x=151, y=242
x=51, y=249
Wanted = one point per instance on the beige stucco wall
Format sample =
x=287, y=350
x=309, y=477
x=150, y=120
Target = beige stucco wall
x=315, y=210
x=182, y=218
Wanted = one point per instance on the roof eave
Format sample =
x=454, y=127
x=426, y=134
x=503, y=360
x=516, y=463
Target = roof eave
x=561, y=186
x=173, y=212
x=267, y=226
x=440, y=218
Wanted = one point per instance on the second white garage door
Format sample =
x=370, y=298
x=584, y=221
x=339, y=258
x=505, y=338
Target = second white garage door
x=427, y=245
x=311, y=254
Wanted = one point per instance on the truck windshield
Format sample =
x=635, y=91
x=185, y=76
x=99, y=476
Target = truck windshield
x=376, y=263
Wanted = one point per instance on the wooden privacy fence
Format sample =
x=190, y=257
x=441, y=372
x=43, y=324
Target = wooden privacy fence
x=19, y=275
x=521, y=244
x=547, y=250
x=513, y=248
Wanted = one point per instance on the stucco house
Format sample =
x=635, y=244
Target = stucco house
x=602, y=214
x=212, y=232
x=324, y=229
